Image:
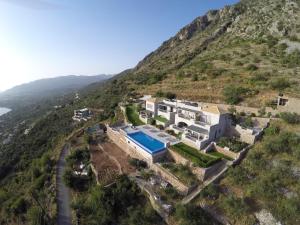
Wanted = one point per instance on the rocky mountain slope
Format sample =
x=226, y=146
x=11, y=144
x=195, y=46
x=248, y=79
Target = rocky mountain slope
x=252, y=46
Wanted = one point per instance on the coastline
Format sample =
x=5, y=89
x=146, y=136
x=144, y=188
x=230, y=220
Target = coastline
x=4, y=110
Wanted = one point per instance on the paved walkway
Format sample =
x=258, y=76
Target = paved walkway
x=63, y=193
x=197, y=191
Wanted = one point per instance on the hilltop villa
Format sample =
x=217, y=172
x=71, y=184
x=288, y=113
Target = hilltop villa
x=82, y=115
x=198, y=124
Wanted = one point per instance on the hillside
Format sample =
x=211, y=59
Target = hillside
x=253, y=46
x=242, y=54
x=49, y=87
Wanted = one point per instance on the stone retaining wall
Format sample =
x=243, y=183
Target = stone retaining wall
x=178, y=158
x=95, y=173
x=120, y=141
x=226, y=151
x=173, y=180
x=201, y=173
x=242, y=154
x=118, y=137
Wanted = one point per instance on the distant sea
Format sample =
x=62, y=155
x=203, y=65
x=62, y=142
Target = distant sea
x=4, y=110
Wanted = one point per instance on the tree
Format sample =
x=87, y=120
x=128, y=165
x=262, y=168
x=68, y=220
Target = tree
x=234, y=94
x=170, y=95
x=19, y=206
x=232, y=109
x=235, y=206
x=195, y=77
x=191, y=215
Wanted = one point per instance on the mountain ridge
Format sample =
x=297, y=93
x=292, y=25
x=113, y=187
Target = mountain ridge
x=71, y=82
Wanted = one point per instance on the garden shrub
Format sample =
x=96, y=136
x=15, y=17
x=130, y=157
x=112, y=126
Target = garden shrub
x=280, y=84
x=291, y=118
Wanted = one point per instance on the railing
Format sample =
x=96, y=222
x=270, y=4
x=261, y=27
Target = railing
x=201, y=123
x=185, y=117
x=178, y=128
x=191, y=138
x=163, y=110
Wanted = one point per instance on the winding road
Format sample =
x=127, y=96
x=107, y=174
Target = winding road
x=63, y=193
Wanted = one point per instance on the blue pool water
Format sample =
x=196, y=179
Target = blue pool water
x=148, y=143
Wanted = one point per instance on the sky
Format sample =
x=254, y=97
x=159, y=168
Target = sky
x=48, y=38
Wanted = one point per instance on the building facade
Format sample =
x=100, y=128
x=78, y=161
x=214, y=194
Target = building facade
x=198, y=124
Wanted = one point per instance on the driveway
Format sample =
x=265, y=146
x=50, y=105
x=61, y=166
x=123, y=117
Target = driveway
x=63, y=193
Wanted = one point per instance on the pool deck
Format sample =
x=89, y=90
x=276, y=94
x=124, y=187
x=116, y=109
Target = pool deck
x=153, y=132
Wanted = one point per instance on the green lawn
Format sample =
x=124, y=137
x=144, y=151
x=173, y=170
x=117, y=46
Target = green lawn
x=133, y=116
x=219, y=155
x=161, y=119
x=194, y=155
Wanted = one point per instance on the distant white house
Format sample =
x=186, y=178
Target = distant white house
x=288, y=104
x=27, y=131
x=198, y=124
x=81, y=170
x=82, y=115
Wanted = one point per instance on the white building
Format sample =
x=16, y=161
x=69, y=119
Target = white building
x=82, y=115
x=199, y=124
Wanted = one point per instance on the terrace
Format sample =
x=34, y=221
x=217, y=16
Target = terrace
x=182, y=172
x=194, y=155
x=158, y=134
x=232, y=143
x=146, y=114
x=161, y=119
x=196, y=133
x=196, y=116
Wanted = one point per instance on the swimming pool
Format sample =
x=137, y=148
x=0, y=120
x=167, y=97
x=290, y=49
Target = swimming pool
x=146, y=142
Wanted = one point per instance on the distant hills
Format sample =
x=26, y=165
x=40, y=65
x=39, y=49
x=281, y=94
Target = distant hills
x=50, y=87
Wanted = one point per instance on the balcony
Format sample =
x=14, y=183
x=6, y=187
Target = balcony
x=163, y=110
x=201, y=123
x=146, y=114
x=190, y=137
x=181, y=115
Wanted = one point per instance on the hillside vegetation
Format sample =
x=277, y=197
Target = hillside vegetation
x=267, y=179
x=242, y=54
x=253, y=46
